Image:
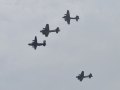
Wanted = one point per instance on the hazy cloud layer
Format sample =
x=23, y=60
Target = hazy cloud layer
x=92, y=45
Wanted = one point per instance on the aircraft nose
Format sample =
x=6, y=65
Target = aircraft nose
x=63, y=17
x=29, y=44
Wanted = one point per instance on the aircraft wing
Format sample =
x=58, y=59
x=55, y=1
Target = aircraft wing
x=46, y=34
x=68, y=20
x=47, y=30
x=82, y=73
x=81, y=79
x=47, y=27
x=68, y=17
x=35, y=46
x=68, y=13
x=81, y=76
x=35, y=40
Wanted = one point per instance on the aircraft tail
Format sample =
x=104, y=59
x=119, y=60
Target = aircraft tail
x=41, y=31
x=44, y=43
x=57, y=30
x=90, y=75
x=77, y=18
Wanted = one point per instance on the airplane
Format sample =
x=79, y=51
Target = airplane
x=34, y=44
x=67, y=17
x=81, y=76
x=47, y=30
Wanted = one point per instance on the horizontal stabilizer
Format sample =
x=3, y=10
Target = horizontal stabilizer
x=57, y=30
x=90, y=75
x=77, y=18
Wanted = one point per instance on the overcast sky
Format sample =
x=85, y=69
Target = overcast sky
x=91, y=45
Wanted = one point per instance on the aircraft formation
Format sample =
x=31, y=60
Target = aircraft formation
x=46, y=31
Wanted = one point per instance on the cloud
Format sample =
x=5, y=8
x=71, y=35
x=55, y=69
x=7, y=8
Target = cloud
x=92, y=45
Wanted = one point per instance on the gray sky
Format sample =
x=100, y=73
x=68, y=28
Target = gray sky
x=92, y=45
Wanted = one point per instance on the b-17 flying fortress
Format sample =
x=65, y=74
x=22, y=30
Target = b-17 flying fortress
x=34, y=44
x=68, y=18
x=46, y=32
x=81, y=76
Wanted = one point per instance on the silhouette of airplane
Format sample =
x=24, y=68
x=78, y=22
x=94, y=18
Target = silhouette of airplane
x=68, y=18
x=47, y=30
x=34, y=44
x=81, y=76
